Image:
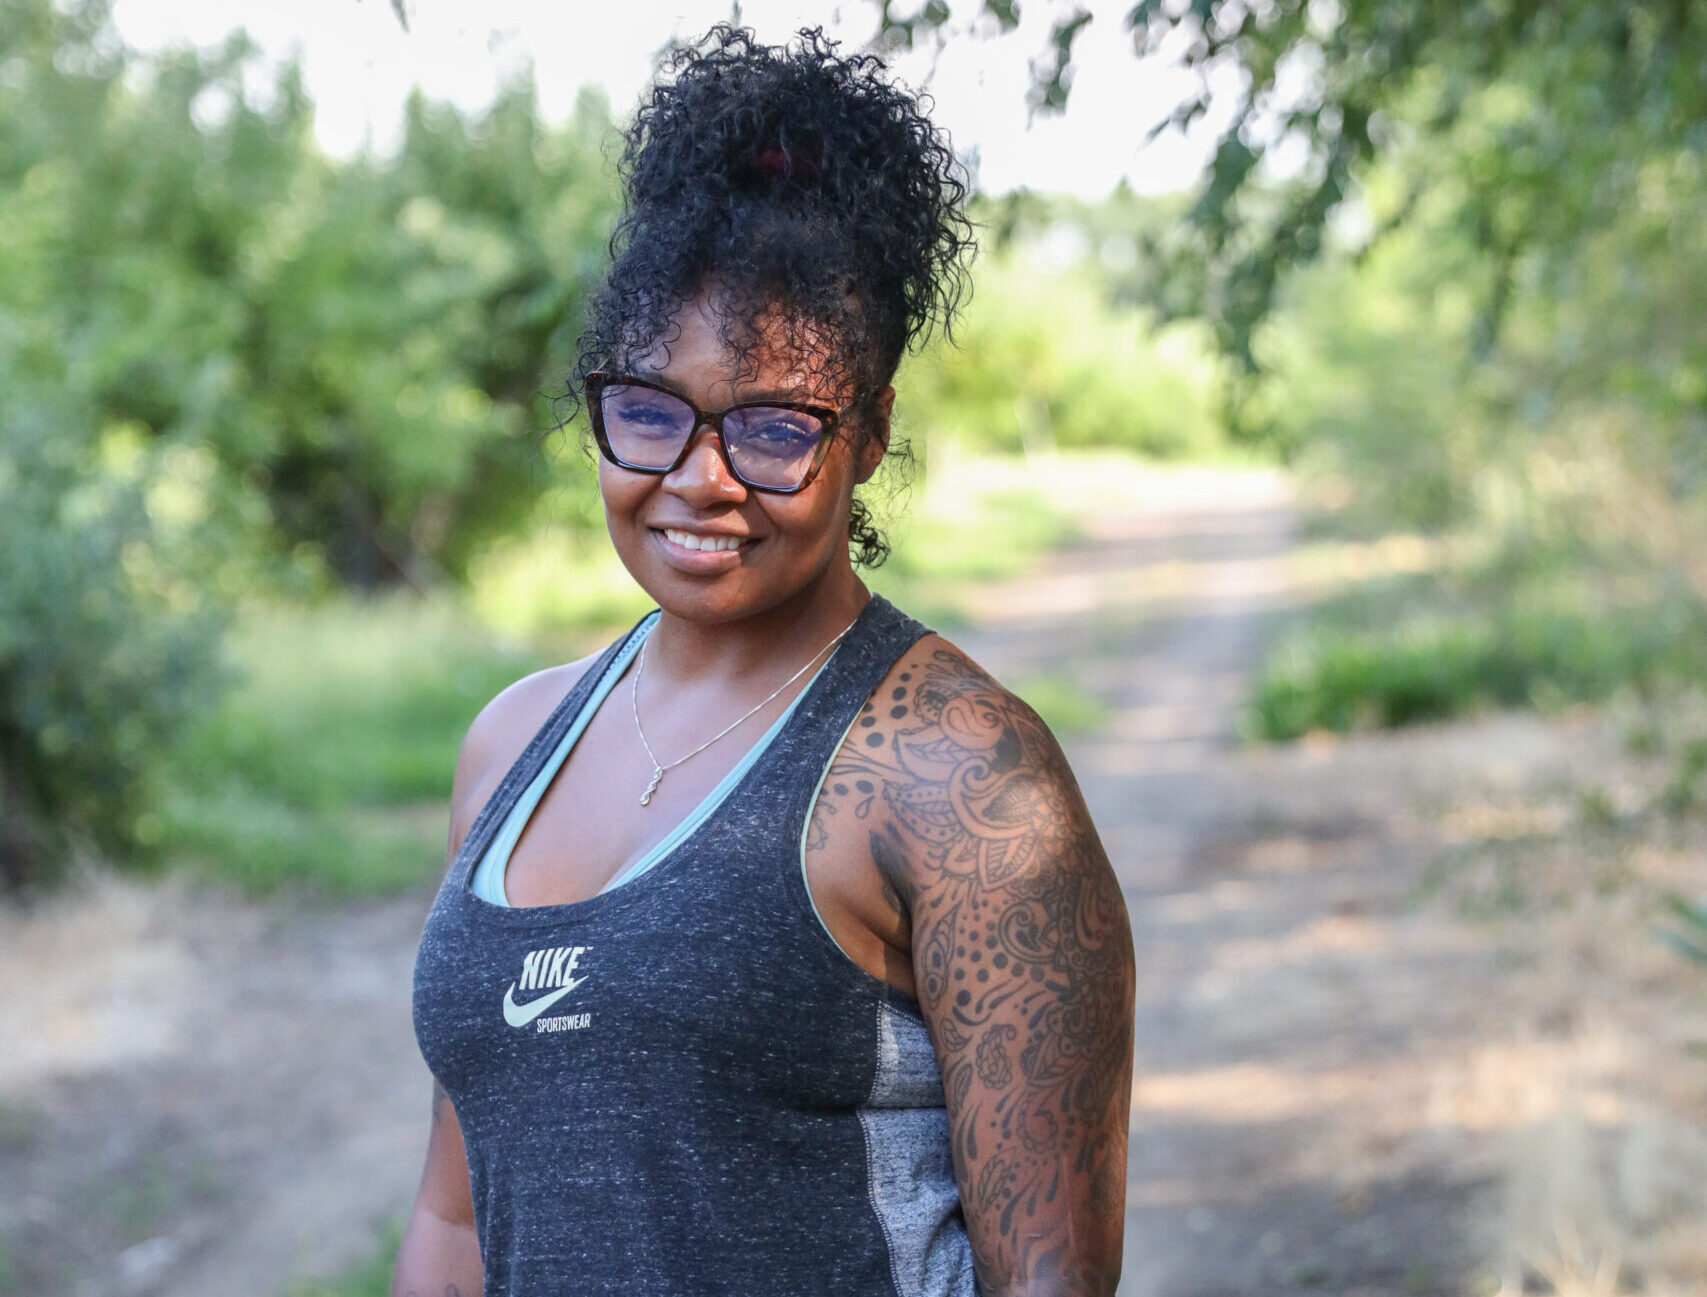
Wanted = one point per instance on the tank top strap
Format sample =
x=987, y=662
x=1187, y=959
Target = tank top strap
x=534, y=757
x=790, y=772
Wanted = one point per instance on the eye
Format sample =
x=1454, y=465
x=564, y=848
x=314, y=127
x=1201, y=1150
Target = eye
x=784, y=429
x=772, y=431
x=642, y=412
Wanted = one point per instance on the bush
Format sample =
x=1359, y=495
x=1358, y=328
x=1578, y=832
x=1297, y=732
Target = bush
x=1433, y=668
x=101, y=663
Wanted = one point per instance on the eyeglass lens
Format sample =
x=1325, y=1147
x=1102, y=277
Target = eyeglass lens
x=768, y=445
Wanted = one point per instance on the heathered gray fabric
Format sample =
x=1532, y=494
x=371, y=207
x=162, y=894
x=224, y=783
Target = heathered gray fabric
x=713, y=1098
x=912, y=1176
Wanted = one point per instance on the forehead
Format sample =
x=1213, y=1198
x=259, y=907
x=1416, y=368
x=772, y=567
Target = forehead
x=707, y=350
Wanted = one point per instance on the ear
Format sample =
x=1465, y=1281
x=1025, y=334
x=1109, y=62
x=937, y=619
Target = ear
x=875, y=444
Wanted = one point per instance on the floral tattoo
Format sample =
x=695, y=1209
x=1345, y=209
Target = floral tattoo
x=1023, y=957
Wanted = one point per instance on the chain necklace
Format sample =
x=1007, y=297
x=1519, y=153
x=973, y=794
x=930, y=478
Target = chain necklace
x=658, y=770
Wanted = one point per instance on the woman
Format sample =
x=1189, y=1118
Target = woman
x=777, y=953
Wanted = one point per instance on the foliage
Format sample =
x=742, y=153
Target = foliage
x=104, y=653
x=328, y=765
x=359, y=344
x=1044, y=360
x=1683, y=792
x=1574, y=445
x=1066, y=707
x=368, y=1276
x=1507, y=340
x=232, y=368
x=219, y=349
x=1534, y=637
x=1539, y=120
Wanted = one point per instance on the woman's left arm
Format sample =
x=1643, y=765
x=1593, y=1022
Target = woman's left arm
x=1023, y=955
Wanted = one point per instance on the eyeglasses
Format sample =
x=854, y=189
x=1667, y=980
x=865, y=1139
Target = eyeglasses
x=769, y=445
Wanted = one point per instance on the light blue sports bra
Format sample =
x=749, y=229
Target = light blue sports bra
x=488, y=880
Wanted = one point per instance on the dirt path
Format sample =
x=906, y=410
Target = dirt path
x=209, y=1098
x=1289, y=1010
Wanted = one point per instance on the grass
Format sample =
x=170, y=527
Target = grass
x=1434, y=646
x=990, y=535
x=1687, y=933
x=328, y=765
x=977, y=535
x=135, y=1202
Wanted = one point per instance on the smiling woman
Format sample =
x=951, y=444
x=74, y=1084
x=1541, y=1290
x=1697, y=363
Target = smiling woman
x=761, y=499
x=804, y=971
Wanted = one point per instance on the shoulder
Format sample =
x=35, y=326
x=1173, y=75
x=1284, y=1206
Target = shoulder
x=504, y=725
x=955, y=775
x=1022, y=955
x=498, y=735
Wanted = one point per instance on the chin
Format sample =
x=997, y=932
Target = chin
x=730, y=596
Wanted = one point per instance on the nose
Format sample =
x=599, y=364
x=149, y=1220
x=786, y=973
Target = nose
x=704, y=476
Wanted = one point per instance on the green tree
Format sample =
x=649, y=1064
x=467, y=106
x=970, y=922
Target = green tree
x=362, y=345
x=103, y=649
x=218, y=345
x=1541, y=119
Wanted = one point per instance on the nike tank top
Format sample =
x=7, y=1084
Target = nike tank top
x=682, y=1085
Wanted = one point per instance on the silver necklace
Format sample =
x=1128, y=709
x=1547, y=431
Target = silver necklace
x=659, y=769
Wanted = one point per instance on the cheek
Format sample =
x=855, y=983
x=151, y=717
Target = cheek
x=824, y=525
x=619, y=492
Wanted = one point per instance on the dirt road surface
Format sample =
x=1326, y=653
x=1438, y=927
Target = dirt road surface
x=210, y=1097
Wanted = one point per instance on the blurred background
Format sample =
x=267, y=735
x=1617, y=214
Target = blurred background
x=1323, y=453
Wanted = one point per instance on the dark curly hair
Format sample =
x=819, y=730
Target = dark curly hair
x=808, y=192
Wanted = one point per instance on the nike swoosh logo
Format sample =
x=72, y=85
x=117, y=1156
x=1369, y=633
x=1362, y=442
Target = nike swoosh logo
x=519, y=1015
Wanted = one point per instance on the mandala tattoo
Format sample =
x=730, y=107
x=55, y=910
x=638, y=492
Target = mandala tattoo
x=1023, y=956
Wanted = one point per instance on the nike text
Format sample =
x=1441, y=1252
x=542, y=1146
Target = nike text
x=542, y=969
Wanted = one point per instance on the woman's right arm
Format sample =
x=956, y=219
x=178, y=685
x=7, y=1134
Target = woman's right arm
x=440, y=1254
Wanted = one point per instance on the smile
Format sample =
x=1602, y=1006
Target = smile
x=687, y=540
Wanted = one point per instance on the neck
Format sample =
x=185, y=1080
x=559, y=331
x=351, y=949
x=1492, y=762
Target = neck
x=762, y=646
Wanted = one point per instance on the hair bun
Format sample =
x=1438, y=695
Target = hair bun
x=800, y=185
x=779, y=162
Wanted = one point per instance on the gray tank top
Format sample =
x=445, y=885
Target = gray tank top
x=682, y=1085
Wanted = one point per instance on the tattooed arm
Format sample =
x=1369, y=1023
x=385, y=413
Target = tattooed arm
x=440, y=1253
x=1022, y=954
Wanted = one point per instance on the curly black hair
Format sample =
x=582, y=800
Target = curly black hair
x=807, y=191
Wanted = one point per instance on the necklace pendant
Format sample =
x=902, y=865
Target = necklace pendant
x=657, y=778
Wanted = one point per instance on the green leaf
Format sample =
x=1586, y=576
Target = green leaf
x=1005, y=12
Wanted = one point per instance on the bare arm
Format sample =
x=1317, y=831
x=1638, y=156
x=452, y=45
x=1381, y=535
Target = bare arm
x=440, y=1254
x=1023, y=956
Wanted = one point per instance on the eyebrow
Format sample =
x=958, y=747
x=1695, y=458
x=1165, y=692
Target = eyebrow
x=769, y=396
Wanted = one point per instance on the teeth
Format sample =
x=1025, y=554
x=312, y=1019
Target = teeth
x=687, y=540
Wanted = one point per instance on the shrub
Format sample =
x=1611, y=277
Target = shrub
x=99, y=666
x=1434, y=668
